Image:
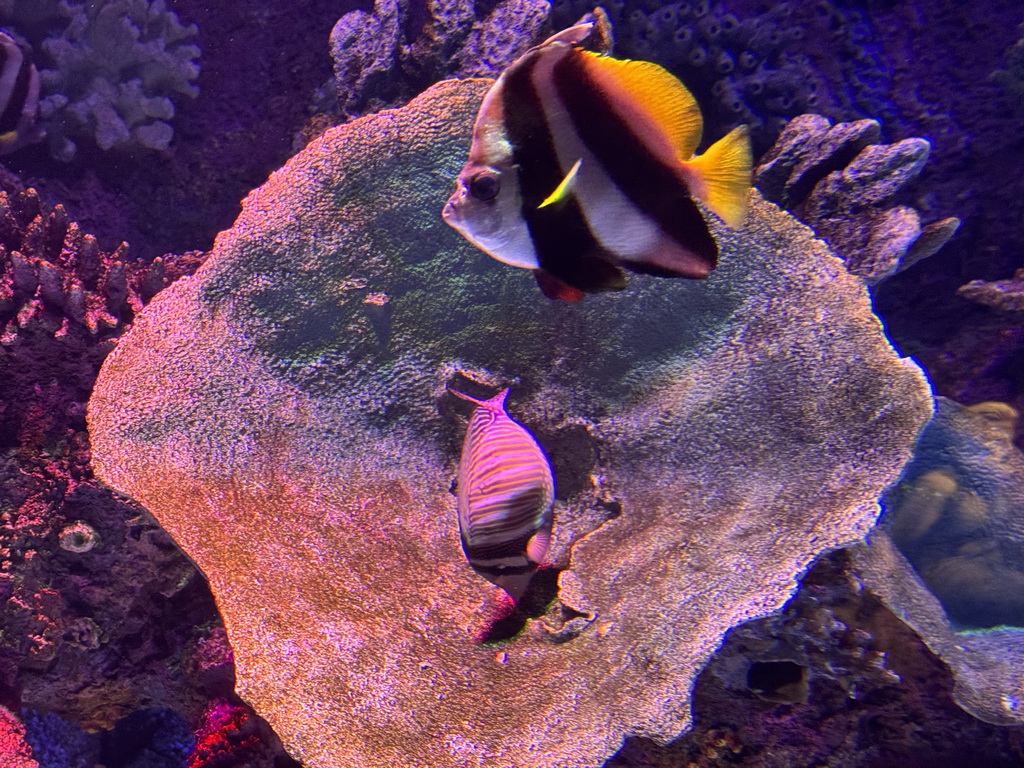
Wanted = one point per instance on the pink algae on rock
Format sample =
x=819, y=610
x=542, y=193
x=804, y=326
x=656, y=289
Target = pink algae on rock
x=290, y=428
x=14, y=749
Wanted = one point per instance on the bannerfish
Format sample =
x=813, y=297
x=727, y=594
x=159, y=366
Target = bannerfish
x=505, y=495
x=19, y=98
x=582, y=164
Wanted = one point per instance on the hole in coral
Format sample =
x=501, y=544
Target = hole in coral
x=612, y=507
x=782, y=681
x=573, y=455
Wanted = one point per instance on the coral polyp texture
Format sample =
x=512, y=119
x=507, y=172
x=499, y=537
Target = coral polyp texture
x=290, y=428
x=110, y=70
x=947, y=557
x=14, y=749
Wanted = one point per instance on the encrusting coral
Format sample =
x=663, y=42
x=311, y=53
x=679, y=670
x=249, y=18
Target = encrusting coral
x=109, y=69
x=284, y=414
x=840, y=181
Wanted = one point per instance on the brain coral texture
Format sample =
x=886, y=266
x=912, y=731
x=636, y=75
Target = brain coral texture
x=284, y=414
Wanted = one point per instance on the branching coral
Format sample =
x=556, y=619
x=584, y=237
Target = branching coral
x=841, y=182
x=109, y=69
x=55, y=278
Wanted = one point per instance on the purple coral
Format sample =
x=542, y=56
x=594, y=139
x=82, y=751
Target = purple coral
x=843, y=184
x=386, y=56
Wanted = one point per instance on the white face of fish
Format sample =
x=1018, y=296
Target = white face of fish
x=487, y=207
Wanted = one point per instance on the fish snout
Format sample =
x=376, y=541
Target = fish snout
x=450, y=212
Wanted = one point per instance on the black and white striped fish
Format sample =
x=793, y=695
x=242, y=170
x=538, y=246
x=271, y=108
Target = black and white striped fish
x=506, y=491
x=19, y=98
x=582, y=164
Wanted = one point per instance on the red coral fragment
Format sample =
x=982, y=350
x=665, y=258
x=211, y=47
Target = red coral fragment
x=231, y=736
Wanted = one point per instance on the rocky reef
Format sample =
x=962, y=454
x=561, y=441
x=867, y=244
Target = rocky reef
x=949, y=555
x=703, y=457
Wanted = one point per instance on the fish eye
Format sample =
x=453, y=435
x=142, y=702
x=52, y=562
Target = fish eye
x=484, y=186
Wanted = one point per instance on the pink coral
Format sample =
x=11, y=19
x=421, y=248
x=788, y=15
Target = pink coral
x=232, y=736
x=14, y=750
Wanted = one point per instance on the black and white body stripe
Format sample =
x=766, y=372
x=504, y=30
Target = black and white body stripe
x=631, y=205
x=19, y=97
x=583, y=165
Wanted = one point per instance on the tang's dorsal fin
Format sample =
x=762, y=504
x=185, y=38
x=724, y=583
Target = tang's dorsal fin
x=564, y=188
x=657, y=91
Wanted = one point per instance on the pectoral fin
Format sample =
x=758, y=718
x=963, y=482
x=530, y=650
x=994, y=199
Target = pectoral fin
x=564, y=188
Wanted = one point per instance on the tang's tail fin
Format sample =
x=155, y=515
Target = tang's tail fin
x=725, y=170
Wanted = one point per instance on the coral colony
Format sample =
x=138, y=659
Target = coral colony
x=730, y=474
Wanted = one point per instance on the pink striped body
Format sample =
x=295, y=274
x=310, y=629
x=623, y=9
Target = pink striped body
x=506, y=491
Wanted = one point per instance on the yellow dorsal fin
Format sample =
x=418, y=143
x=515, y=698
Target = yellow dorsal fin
x=564, y=188
x=724, y=173
x=658, y=93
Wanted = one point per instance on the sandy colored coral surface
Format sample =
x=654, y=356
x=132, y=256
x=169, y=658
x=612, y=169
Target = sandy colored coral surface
x=283, y=414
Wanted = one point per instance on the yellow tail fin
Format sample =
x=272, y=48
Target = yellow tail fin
x=725, y=170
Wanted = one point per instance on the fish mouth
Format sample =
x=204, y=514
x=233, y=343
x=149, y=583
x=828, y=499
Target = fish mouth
x=450, y=213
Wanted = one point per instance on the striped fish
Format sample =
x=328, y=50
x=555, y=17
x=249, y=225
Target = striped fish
x=506, y=492
x=582, y=165
x=19, y=98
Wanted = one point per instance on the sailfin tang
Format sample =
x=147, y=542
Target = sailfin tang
x=657, y=91
x=725, y=174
